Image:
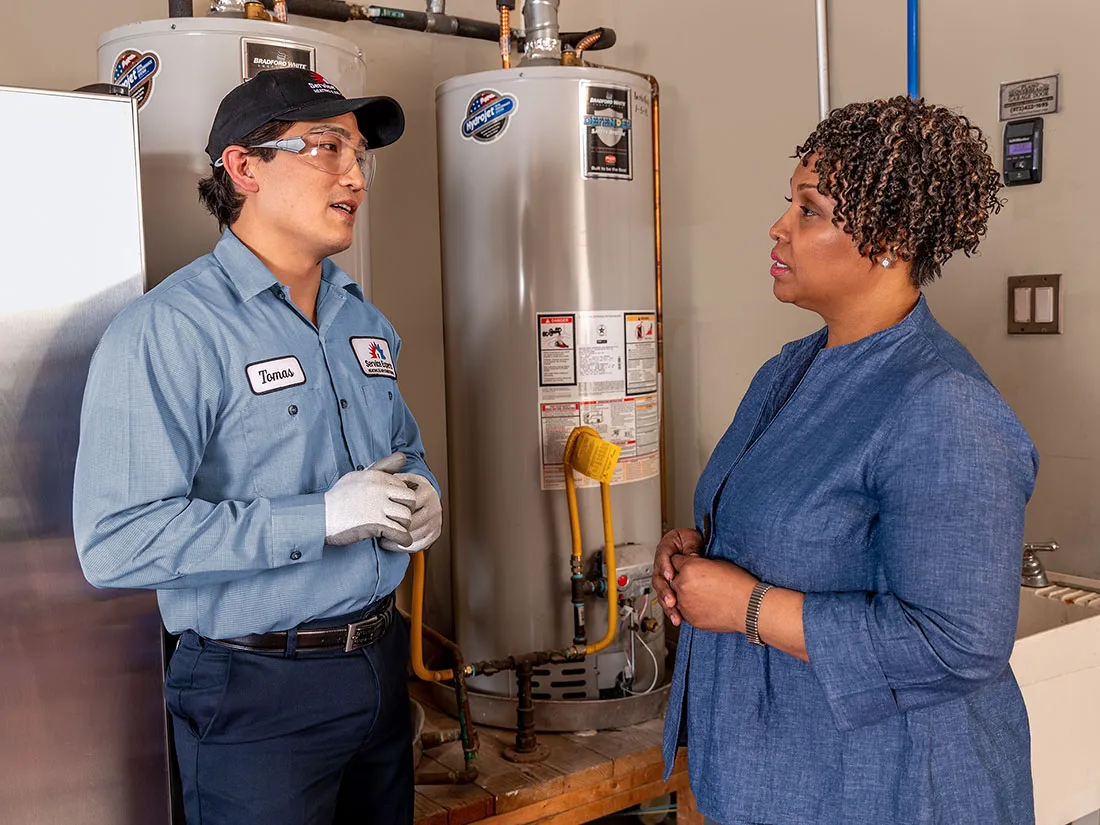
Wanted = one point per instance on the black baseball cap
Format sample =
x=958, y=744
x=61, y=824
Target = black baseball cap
x=297, y=94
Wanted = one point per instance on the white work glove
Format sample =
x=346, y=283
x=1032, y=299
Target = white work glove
x=427, y=516
x=370, y=503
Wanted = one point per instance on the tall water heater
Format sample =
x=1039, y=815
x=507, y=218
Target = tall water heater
x=546, y=189
x=179, y=70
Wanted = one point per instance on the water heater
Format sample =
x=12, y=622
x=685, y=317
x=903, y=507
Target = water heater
x=179, y=70
x=549, y=282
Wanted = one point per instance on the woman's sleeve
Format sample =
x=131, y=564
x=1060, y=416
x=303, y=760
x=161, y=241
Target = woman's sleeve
x=952, y=478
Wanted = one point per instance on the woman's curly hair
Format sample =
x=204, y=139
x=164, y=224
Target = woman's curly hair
x=908, y=178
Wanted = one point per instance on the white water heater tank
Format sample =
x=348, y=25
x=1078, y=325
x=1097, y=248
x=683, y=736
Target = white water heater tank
x=179, y=70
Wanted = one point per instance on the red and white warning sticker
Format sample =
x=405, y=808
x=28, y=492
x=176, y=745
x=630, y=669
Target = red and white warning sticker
x=599, y=369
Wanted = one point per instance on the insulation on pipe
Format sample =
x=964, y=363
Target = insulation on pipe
x=321, y=9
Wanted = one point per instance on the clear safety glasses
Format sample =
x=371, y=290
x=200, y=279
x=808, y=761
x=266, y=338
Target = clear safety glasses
x=328, y=151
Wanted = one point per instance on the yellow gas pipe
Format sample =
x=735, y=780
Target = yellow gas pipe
x=416, y=652
x=591, y=456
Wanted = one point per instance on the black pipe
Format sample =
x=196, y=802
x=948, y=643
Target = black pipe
x=321, y=9
x=470, y=742
x=476, y=29
x=526, y=740
x=435, y=23
x=467, y=732
x=181, y=8
x=416, y=21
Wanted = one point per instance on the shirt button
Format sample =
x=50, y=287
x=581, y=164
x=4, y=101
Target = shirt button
x=297, y=554
x=390, y=394
x=292, y=409
x=359, y=467
x=344, y=403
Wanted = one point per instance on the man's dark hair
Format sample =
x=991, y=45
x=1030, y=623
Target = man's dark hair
x=217, y=192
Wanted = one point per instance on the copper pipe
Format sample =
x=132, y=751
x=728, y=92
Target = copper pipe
x=656, y=89
x=254, y=10
x=505, y=38
x=280, y=11
x=588, y=42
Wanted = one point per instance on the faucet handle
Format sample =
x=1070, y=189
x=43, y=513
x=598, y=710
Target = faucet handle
x=1047, y=546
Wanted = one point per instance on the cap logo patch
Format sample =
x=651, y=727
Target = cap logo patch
x=320, y=86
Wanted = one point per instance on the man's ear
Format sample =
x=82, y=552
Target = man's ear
x=238, y=164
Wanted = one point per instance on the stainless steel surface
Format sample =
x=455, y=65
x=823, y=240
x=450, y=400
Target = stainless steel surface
x=200, y=61
x=81, y=709
x=558, y=717
x=543, y=35
x=227, y=8
x=523, y=232
x=1032, y=573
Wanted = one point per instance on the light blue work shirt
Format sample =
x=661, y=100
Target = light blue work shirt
x=215, y=417
x=886, y=479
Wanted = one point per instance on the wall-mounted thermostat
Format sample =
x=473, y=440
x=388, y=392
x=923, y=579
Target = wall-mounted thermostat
x=1023, y=151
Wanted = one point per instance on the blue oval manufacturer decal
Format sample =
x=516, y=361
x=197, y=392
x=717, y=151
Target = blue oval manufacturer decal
x=487, y=115
x=135, y=71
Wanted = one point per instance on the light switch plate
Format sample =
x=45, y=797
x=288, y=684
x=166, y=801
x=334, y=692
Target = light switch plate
x=1033, y=283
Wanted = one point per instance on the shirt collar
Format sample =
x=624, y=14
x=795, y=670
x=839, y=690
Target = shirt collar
x=250, y=277
x=919, y=316
x=334, y=275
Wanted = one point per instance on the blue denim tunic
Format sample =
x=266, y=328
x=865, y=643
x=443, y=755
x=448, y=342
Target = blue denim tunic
x=886, y=479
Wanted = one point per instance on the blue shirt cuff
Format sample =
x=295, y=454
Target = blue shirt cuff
x=297, y=529
x=844, y=660
x=417, y=466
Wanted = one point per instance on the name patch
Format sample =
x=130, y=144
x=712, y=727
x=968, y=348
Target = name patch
x=276, y=374
x=374, y=357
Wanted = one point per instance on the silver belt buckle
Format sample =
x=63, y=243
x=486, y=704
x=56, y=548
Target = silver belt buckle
x=359, y=633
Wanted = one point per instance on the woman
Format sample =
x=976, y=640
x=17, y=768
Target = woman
x=850, y=593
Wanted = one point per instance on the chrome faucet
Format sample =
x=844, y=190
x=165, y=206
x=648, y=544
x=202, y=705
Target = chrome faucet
x=1033, y=574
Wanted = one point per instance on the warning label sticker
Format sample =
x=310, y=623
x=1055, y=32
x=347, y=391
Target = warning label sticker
x=611, y=359
x=641, y=352
x=607, y=132
x=557, y=351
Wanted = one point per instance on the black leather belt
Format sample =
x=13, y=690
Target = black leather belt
x=349, y=637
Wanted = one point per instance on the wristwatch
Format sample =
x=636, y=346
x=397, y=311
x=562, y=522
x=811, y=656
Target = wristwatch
x=752, y=615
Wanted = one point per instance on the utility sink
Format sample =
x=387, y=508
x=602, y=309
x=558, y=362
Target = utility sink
x=1057, y=663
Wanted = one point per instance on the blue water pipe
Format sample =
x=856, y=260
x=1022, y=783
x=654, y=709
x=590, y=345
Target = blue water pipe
x=914, y=51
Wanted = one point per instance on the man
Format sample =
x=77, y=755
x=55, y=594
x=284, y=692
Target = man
x=241, y=437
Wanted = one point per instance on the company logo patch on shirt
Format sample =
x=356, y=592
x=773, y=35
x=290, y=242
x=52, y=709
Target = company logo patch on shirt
x=276, y=374
x=374, y=357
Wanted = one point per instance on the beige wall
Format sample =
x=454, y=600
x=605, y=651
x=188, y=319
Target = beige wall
x=739, y=91
x=968, y=49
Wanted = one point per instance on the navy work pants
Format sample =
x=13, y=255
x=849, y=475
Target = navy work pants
x=317, y=738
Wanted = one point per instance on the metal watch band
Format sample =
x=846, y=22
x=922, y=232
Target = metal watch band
x=752, y=614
